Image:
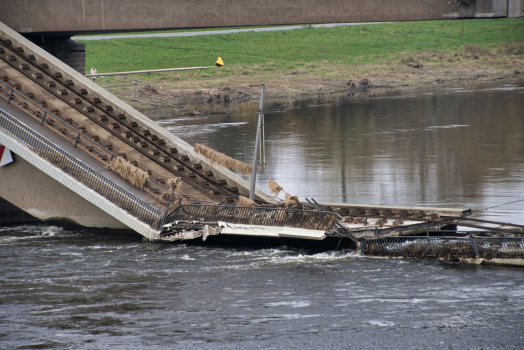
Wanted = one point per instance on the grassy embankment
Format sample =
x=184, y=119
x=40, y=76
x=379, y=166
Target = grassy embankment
x=312, y=61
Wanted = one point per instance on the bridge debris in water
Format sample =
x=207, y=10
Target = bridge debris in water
x=473, y=248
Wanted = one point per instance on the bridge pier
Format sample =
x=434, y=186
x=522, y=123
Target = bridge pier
x=515, y=8
x=64, y=48
x=40, y=196
x=10, y=214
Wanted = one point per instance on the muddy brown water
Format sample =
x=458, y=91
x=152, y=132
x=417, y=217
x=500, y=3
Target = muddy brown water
x=78, y=289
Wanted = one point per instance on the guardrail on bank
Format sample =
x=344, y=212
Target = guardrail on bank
x=79, y=170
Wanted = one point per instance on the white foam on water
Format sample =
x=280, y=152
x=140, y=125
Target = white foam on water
x=96, y=247
x=186, y=257
x=381, y=323
x=36, y=233
x=280, y=317
x=51, y=231
x=320, y=257
x=72, y=254
x=241, y=254
x=292, y=304
x=518, y=293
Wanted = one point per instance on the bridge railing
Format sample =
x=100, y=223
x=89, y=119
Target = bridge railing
x=80, y=170
x=78, y=137
x=313, y=220
x=53, y=120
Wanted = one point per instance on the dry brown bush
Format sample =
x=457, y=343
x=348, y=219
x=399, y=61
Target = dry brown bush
x=245, y=202
x=274, y=187
x=291, y=199
x=135, y=176
x=222, y=159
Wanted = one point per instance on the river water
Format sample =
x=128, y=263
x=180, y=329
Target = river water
x=83, y=289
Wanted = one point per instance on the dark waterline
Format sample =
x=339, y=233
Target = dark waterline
x=77, y=289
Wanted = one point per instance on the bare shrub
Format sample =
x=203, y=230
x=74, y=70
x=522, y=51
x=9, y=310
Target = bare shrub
x=245, y=202
x=135, y=176
x=513, y=48
x=274, y=187
x=222, y=159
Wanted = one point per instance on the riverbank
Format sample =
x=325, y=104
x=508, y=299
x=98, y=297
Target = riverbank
x=216, y=95
x=312, y=62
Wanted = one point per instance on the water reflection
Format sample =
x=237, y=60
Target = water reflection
x=446, y=147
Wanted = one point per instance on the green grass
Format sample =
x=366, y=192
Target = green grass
x=301, y=48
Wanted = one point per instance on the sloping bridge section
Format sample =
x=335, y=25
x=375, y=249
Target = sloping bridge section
x=64, y=126
x=73, y=191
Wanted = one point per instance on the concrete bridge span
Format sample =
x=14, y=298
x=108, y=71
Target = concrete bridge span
x=101, y=16
x=98, y=16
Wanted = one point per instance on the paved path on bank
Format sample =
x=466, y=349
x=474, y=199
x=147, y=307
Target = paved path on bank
x=214, y=32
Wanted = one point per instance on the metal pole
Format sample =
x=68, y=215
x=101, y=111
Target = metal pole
x=10, y=96
x=162, y=101
x=76, y=142
x=255, y=160
x=263, y=140
x=148, y=71
x=43, y=119
x=260, y=141
x=167, y=209
x=475, y=248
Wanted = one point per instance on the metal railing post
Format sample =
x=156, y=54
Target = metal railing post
x=474, y=245
x=77, y=138
x=43, y=119
x=10, y=96
x=165, y=214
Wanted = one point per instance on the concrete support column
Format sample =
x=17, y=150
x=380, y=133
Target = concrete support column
x=515, y=8
x=62, y=47
x=10, y=214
